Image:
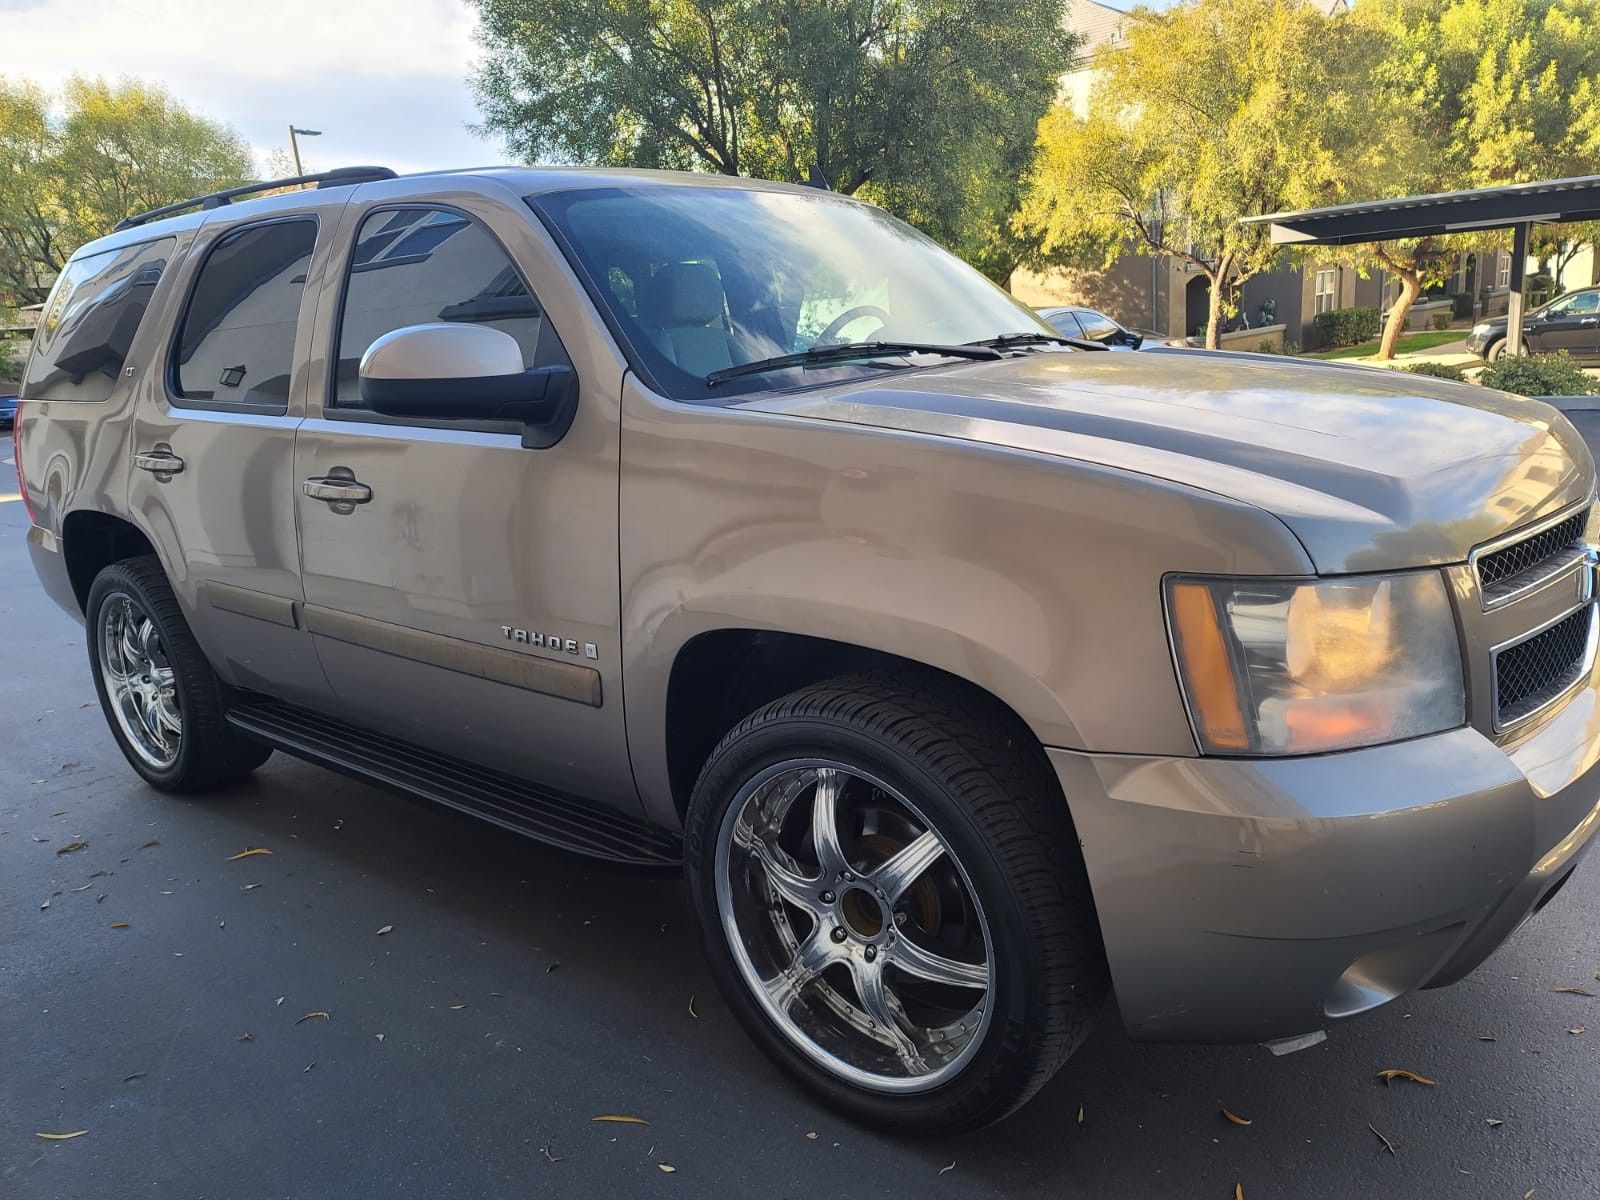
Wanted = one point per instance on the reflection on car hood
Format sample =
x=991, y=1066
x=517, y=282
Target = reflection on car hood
x=1372, y=469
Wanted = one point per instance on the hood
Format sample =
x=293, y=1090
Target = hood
x=1372, y=469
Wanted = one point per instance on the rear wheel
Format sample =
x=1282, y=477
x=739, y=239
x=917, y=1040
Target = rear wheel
x=893, y=901
x=162, y=700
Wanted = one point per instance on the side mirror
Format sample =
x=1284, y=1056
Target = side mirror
x=449, y=371
x=1133, y=340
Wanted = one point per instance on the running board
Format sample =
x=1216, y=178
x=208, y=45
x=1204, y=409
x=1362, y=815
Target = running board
x=509, y=802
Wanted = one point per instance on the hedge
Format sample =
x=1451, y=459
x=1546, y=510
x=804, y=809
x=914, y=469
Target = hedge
x=1540, y=375
x=1346, y=327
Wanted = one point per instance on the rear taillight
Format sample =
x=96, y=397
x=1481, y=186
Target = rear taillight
x=16, y=457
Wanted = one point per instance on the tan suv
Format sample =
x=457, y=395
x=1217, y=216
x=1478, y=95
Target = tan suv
x=968, y=670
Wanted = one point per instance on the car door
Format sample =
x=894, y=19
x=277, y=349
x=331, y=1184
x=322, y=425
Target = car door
x=469, y=602
x=213, y=480
x=1571, y=323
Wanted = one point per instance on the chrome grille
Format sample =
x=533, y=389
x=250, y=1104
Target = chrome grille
x=1531, y=673
x=1532, y=552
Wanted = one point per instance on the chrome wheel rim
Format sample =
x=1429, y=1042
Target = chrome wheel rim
x=854, y=925
x=140, y=685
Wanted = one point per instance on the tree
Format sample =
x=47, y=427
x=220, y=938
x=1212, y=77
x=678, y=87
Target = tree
x=1478, y=92
x=114, y=150
x=1203, y=113
x=927, y=106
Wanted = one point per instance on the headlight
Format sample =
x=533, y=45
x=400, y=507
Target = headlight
x=1480, y=328
x=1282, y=667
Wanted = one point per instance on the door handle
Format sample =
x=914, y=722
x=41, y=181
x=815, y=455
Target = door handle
x=337, y=489
x=159, y=461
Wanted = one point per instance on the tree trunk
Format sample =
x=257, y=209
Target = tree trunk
x=1410, y=289
x=1214, y=315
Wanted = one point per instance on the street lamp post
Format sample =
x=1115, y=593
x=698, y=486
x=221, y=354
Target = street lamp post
x=294, y=145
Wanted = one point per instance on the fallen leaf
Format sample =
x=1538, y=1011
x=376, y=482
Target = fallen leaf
x=100, y=897
x=97, y=874
x=1528, y=1195
x=812, y=1135
x=1484, y=1037
x=1387, y=1144
x=379, y=1036
x=84, y=888
x=1571, y=991
x=317, y=1015
x=150, y=843
x=692, y=1012
x=248, y=852
x=1494, y=1122
x=44, y=906
x=1391, y=1073
x=545, y=1150
x=135, y=1075
x=551, y=967
x=40, y=839
x=666, y=1168
x=457, y=1007
x=168, y=893
x=249, y=887
x=1236, y=1118
x=386, y=929
x=60, y=1137
x=1575, y=1030
x=1238, y=1191
x=279, y=1001
x=247, y=1036
x=309, y=1065
x=119, y=924
x=947, y=1170
x=1080, y=1114
x=71, y=847
x=621, y=1120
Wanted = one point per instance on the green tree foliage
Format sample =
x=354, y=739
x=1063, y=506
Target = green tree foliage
x=1472, y=93
x=1203, y=113
x=113, y=149
x=926, y=106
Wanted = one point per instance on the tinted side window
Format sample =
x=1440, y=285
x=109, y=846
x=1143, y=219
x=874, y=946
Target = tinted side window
x=89, y=321
x=1066, y=324
x=417, y=266
x=237, y=341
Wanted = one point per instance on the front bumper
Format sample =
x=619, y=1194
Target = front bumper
x=1479, y=342
x=1250, y=900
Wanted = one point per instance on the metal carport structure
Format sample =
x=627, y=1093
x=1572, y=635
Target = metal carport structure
x=1517, y=206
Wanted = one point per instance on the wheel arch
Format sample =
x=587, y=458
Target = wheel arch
x=91, y=541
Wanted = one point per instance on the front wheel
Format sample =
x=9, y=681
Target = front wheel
x=893, y=901
x=1495, y=351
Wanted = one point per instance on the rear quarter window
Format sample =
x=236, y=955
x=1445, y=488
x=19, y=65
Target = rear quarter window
x=89, y=322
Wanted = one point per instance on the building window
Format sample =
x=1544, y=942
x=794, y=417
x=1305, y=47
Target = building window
x=1326, y=298
x=1502, y=270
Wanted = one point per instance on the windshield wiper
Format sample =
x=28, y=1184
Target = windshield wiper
x=1005, y=340
x=848, y=352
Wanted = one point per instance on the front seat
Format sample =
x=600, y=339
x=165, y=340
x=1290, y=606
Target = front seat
x=682, y=309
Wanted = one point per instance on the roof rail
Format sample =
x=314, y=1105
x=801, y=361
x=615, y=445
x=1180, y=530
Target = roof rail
x=338, y=177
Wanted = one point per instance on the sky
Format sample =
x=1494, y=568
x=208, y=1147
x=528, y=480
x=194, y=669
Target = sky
x=384, y=80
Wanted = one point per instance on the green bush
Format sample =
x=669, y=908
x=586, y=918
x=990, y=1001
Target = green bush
x=1436, y=370
x=1441, y=321
x=12, y=352
x=1538, y=288
x=1461, y=306
x=1540, y=375
x=1346, y=327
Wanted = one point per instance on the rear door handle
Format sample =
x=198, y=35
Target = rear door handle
x=160, y=461
x=336, y=489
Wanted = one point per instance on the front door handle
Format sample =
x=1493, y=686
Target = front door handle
x=159, y=461
x=337, y=489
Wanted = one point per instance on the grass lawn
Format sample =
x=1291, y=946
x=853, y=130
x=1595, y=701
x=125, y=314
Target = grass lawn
x=1426, y=340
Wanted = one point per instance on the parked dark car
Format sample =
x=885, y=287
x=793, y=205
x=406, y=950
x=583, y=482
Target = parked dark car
x=1095, y=326
x=8, y=411
x=1570, y=322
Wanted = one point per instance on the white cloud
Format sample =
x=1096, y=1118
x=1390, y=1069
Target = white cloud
x=385, y=80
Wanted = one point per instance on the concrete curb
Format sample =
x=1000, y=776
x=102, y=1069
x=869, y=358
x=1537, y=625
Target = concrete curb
x=1573, y=403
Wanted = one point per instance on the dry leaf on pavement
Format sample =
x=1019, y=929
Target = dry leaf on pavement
x=666, y=1168
x=1575, y=1030
x=119, y=924
x=248, y=852
x=1236, y=1118
x=61, y=1137
x=72, y=846
x=1392, y=1073
x=621, y=1119
x=1238, y=1191
x=386, y=929
x=1575, y=991
x=318, y=1015
x=947, y=1170
x=1494, y=1122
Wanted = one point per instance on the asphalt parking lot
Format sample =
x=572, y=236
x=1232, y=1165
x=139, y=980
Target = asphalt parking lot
x=396, y=1002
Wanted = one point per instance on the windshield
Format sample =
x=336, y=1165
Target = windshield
x=699, y=279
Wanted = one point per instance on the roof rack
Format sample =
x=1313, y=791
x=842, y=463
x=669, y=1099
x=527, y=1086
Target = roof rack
x=338, y=177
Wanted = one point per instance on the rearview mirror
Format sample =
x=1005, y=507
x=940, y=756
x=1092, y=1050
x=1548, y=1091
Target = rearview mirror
x=450, y=371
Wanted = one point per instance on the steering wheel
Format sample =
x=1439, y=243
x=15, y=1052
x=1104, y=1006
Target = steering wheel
x=826, y=337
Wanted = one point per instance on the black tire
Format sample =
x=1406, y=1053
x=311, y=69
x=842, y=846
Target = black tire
x=209, y=752
x=987, y=789
x=1495, y=351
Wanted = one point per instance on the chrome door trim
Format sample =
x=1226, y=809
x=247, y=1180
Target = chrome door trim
x=247, y=602
x=563, y=680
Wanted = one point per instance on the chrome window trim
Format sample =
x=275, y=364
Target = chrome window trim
x=1585, y=669
x=1511, y=539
